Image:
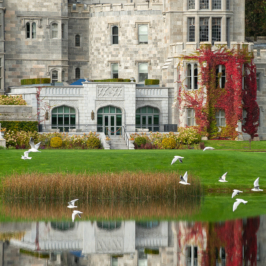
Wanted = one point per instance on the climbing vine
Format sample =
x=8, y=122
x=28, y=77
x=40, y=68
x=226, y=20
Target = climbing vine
x=233, y=98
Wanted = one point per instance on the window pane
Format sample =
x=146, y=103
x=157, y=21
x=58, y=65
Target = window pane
x=115, y=39
x=155, y=110
x=156, y=119
x=72, y=111
x=204, y=4
x=138, y=119
x=106, y=110
x=118, y=111
x=143, y=68
x=143, y=110
x=77, y=73
x=54, y=30
x=77, y=40
x=149, y=120
x=115, y=30
x=191, y=29
x=142, y=77
x=54, y=119
x=138, y=111
x=204, y=29
x=100, y=110
x=54, y=76
x=33, y=30
x=119, y=120
x=191, y=4
x=195, y=76
x=143, y=120
x=143, y=38
x=60, y=109
x=216, y=30
x=112, y=109
x=60, y=119
x=66, y=109
x=227, y=4
x=99, y=119
x=216, y=4
x=143, y=29
x=150, y=110
x=72, y=119
x=28, y=30
x=115, y=67
x=54, y=111
x=66, y=119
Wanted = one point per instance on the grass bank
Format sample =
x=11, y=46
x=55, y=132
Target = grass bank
x=242, y=167
x=236, y=145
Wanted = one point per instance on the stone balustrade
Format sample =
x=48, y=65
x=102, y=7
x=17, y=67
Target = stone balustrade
x=152, y=92
x=68, y=90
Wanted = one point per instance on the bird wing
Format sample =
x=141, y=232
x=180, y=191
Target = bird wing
x=234, y=193
x=256, y=183
x=73, y=216
x=236, y=205
x=180, y=160
x=72, y=202
x=32, y=143
x=26, y=153
x=79, y=215
x=37, y=145
x=174, y=160
x=185, y=177
x=224, y=176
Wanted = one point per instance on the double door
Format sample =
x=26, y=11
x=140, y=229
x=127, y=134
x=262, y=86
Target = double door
x=112, y=125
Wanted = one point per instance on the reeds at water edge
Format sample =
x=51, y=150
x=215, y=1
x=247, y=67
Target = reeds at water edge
x=126, y=186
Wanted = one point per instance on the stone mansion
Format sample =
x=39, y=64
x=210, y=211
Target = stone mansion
x=66, y=40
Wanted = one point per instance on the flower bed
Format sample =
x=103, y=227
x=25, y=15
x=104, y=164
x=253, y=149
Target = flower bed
x=20, y=140
x=12, y=100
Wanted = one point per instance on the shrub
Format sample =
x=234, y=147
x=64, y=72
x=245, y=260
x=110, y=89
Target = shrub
x=140, y=141
x=28, y=126
x=152, y=81
x=12, y=100
x=188, y=135
x=35, y=81
x=169, y=143
x=56, y=142
x=93, y=143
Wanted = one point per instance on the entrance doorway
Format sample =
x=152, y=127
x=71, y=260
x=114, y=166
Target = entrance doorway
x=109, y=121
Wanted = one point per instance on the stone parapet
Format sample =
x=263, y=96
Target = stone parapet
x=16, y=113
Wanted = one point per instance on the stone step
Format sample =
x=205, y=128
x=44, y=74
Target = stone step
x=118, y=143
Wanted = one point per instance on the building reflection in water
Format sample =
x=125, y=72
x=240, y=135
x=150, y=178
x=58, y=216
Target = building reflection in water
x=121, y=243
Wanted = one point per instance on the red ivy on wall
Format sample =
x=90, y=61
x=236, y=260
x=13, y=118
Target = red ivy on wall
x=210, y=98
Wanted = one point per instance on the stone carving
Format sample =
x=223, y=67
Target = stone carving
x=107, y=91
x=109, y=244
x=68, y=103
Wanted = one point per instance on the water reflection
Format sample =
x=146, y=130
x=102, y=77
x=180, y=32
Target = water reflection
x=121, y=243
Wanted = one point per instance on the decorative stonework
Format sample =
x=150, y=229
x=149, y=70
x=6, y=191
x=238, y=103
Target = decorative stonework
x=109, y=244
x=53, y=103
x=110, y=92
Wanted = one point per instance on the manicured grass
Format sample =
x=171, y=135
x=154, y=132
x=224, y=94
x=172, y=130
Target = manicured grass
x=242, y=167
x=236, y=145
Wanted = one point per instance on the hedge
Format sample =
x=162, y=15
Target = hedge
x=20, y=125
x=35, y=81
x=112, y=80
x=152, y=81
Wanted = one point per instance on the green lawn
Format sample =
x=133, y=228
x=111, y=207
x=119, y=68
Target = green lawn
x=242, y=167
x=236, y=145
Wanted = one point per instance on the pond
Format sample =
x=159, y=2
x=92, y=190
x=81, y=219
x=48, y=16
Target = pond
x=203, y=231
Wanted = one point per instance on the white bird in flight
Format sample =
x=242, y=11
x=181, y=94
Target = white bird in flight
x=236, y=192
x=74, y=214
x=222, y=178
x=26, y=156
x=71, y=204
x=34, y=148
x=208, y=148
x=256, y=185
x=183, y=179
x=238, y=201
x=177, y=158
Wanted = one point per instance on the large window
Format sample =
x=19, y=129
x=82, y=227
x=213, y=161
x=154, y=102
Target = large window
x=143, y=72
x=220, y=118
x=54, y=31
x=191, y=29
x=63, y=118
x=192, y=76
x=216, y=30
x=148, y=117
x=204, y=29
x=114, y=71
x=54, y=76
x=204, y=4
x=220, y=76
x=109, y=225
x=191, y=4
x=191, y=255
x=216, y=4
x=191, y=117
x=114, y=35
x=77, y=40
x=143, y=34
x=77, y=73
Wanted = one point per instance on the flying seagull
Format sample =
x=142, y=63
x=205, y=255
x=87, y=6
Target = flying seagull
x=74, y=214
x=177, y=158
x=208, y=148
x=183, y=179
x=34, y=148
x=256, y=185
x=26, y=156
x=238, y=201
x=222, y=178
x=236, y=192
x=71, y=204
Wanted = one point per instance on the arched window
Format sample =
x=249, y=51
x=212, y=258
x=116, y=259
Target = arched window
x=28, y=30
x=109, y=226
x=54, y=76
x=33, y=30
x=109, y=120
x=115, y=35
x=148, y=117
x=62, y=226
x=63, y=31
x=148, y=225
x=54, y=30
x=77, y=73
x=77, y=40
x=63, y=118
